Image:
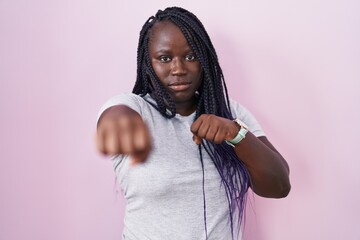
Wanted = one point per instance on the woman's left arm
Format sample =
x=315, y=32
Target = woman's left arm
x=268, y=170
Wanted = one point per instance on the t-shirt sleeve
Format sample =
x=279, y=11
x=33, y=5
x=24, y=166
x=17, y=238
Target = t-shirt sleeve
x=245, y=115
x=130, y=100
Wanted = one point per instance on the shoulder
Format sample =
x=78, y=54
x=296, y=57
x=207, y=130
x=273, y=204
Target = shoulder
x=124, y=98
x=241, y=112
x=131, y=100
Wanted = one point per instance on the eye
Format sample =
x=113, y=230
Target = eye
x=190, y=57
x=164, y=59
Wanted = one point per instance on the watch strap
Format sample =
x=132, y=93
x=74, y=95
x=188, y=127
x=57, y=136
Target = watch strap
x=240, y=135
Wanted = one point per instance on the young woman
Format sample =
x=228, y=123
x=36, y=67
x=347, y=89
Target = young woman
x=184, y=153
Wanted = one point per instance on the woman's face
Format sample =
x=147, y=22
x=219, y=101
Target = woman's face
x=174, y=63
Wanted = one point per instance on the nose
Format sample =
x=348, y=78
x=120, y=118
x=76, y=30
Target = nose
x=178, y=67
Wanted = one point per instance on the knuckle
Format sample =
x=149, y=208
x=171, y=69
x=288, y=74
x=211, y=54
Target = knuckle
x=213, y=130
x=209, y=117
x=201, y=134
x=124, y=122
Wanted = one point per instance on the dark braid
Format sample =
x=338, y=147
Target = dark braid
x=146, y=80
x=213, y=99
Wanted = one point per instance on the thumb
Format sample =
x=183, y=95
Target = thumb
x=196, y=139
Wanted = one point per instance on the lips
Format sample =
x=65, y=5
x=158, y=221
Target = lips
x=179, y=86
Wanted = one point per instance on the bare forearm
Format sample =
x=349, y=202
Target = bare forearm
x=268, y=169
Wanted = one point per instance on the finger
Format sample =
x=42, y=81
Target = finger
x=107, y=141
x=141, y=156
x=212, y=132
x=142, y=142
x=112, y=145
x=219, y=136
x=138, y=158
x=125, y=135
x=203, y=129
x=99, y=139
x=141, y=136
x=196, y=124
x=197, y=139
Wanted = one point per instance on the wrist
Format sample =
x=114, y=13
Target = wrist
x=241, y=134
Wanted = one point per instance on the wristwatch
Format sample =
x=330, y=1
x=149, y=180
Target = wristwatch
x=240, y=135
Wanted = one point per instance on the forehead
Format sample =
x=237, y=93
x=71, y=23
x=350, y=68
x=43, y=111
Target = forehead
x=166, y=33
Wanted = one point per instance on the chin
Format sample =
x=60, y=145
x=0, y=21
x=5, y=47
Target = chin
x=182, y=97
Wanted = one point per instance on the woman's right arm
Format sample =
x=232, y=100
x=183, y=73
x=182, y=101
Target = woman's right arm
x=121, y=130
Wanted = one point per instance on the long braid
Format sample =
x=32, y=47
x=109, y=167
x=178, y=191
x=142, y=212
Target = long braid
x=146, y=80
x=212, y=99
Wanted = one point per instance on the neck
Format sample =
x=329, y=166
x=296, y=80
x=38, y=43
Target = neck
x=186, y=108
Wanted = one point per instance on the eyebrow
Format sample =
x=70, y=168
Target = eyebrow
x=168, y=51
x=163, y=50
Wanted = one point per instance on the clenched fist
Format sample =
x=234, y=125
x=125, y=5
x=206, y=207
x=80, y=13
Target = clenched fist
x=213, y=128
x=121, y=130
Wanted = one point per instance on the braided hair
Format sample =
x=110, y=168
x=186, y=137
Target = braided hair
x=212, y=99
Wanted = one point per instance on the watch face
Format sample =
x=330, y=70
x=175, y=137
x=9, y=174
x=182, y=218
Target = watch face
x=241, y=123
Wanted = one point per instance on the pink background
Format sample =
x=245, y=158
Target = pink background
x=294, y=64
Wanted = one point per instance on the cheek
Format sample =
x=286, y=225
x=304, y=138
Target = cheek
x=160, y=71
x=195, y=68
x=197, y=72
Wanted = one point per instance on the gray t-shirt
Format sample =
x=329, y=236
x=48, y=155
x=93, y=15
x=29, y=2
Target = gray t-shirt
x=164, y=194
